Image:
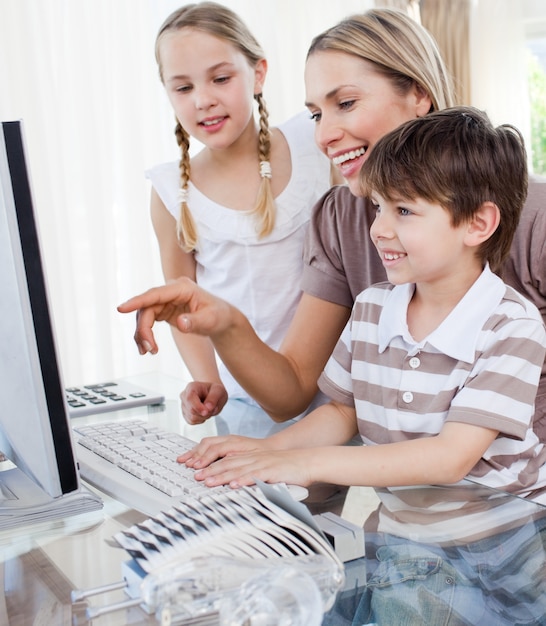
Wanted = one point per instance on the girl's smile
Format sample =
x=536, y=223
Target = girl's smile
x=210, y=85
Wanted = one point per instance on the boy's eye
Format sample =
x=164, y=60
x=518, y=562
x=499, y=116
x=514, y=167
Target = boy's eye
x=404, y=211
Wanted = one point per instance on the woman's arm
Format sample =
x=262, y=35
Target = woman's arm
x=283, y=382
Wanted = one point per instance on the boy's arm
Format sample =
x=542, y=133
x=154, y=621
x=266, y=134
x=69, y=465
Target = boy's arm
x=443, y=459
x=331, y=424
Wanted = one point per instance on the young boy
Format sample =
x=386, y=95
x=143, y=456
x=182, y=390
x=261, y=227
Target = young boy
x=438, y=368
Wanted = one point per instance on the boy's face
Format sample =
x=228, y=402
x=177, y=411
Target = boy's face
x=417, y=242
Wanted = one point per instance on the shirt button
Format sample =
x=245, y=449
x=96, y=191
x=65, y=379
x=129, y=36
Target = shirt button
x=407, y=396
x=414, y=362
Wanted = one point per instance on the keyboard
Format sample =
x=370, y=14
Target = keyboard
x=135, y=462
x=109, y=396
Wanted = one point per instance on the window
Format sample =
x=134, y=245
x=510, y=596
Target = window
x=535, y=32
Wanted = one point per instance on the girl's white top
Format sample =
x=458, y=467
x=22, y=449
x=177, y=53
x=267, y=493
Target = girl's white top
x=261, y=277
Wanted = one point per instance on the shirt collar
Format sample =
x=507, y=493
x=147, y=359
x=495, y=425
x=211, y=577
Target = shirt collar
x=471, y=313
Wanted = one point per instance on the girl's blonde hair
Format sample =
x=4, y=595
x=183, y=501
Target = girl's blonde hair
x=399, y=47
x=221, y=22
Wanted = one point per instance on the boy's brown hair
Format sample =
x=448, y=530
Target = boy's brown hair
x=458, y=159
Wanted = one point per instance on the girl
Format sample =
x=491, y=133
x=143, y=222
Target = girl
x=232, y=217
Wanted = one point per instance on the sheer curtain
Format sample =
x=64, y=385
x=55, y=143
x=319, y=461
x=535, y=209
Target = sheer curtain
x=483, y=45
x=449, y=22
x=497, y=52
x=82, y=76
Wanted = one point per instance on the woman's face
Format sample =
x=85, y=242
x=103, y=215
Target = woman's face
x=353, y=107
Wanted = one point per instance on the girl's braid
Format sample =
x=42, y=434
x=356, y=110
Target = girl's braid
x=186, y=229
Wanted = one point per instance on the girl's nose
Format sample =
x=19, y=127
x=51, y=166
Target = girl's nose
x=203, y=99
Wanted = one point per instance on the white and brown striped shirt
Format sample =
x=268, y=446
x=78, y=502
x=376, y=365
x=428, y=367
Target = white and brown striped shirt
x=481, y=366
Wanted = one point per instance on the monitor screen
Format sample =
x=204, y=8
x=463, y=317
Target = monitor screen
x=34, y=424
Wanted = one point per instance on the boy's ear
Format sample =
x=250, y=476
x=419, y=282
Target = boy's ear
x=483, y=224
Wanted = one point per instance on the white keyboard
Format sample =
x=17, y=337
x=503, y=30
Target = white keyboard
x=135, y=463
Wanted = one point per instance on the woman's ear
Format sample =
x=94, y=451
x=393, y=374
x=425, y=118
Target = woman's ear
x=483, y=224
x=260, y=72
x=423, y=101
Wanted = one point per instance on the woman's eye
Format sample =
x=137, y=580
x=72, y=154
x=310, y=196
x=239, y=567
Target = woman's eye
x=346, y=104
x=315, y=117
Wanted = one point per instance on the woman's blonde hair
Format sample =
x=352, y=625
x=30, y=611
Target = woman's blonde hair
x=399, y=47
x=221, y=22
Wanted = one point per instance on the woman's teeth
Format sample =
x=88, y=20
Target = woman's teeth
x=348, y=156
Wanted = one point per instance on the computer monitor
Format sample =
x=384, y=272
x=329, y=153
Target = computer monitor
x=35, y=432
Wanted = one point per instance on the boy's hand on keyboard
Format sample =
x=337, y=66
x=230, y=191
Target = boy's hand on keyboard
x=270, y=466
x=210, y=449
x=200, y=401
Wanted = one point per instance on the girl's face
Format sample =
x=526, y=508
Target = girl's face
x=353, y=107
x=210, y=85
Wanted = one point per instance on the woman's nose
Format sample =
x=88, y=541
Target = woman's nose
x=327, y=133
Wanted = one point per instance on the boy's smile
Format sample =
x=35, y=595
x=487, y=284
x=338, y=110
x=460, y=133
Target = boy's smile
x=417, y=241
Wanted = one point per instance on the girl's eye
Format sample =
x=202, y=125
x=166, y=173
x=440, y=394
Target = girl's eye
x=183, y=88
x=315, y=117
x=221, y=79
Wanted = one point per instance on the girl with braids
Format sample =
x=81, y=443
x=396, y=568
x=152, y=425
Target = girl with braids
x=233, y=216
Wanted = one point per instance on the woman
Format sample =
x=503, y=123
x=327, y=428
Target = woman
x=363, y=77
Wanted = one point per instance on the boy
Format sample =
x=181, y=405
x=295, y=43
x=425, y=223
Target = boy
x=437, y=369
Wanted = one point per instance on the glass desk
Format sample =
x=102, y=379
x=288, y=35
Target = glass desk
x=435, y=555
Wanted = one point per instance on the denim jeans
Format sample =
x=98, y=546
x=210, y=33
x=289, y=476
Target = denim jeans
x=497, y=581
